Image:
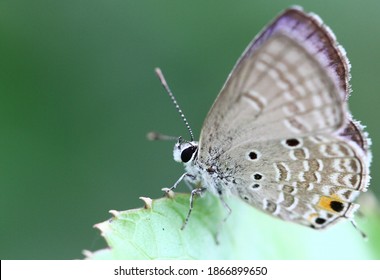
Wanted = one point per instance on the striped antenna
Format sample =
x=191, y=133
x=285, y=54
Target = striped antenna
x=167, y=89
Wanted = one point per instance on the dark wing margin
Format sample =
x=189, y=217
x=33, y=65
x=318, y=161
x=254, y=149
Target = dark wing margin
x=308, y=28
x=354, y=131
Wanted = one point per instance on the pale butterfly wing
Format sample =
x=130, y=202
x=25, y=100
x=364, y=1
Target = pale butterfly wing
x=280, y=135
x=277, y=75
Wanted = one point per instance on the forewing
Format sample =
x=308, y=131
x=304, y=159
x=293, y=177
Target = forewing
x=291, y=80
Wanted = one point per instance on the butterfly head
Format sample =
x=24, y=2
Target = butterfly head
x=185, y=151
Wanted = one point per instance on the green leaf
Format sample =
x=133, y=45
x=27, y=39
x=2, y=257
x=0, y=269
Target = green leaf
x=154, y=232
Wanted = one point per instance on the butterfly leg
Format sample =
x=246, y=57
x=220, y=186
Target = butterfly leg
x=194, y=192
x=229, y=211
x=167, y=190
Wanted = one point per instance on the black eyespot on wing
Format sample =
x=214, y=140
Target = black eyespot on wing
x=252, y=155
x=292, y=142
x=320, y=221
x=337, y=206
x=257, y=176
x=187, y=153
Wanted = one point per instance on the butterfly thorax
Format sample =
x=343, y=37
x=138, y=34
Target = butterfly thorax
x=211, y=175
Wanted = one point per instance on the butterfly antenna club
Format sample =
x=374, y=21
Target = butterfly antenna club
x=167, y=89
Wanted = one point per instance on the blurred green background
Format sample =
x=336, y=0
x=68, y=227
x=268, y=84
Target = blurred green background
x=78, y=95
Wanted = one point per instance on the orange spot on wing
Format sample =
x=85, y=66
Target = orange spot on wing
x=325, y=203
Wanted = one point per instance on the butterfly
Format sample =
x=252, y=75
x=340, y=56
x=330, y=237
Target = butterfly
x=280, y=135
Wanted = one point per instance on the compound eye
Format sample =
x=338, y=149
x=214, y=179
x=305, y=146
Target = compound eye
x=187, y=153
